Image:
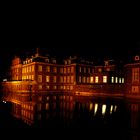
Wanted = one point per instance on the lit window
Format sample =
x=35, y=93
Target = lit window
x=104, y=79
x=65, y=70
x=72, y=69
x=54, y=87
x=96, y=79
x=39, y=68
x=39, y=78
x=103, y=109
x=99, y=70
x=54, y=79
x=84, y=70
x=88, y=80
x=135, y=89
x=40, y=87
x=135, y=74
x=47, y=87
x=61, y=79
x=47, y=78
x=32, y=77
x=54, y=69
x=80, y=69
x=72, y=79
x=116, y=79
x=68, y=70
x=91, y=79
x=84, y=79
x=33, y=68
x=68, y=79
x=47, y=106
x=71, y=87
x=61, y=70
x=48, y=69
x=95, y=109
x=47, y=60
x=64, y=79
x=54, y=61
x=79, y=79
x=91, y=106
x=112, y=79
x=122, y=80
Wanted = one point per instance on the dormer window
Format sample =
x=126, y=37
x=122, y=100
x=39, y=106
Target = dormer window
x=47, y=60
x=137, y=58
x=65, y=62
x=54, y=61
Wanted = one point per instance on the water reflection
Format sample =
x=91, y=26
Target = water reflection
x=65, y=111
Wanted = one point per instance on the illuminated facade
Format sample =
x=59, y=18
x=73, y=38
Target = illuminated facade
x=41, y=75
x=132, y=77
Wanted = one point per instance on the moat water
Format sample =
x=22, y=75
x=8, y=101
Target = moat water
x=105, y=118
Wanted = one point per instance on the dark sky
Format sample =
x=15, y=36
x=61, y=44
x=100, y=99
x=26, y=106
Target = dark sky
x=97, y=35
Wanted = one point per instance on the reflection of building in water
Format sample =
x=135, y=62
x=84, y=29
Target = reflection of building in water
x=41, y=75
x=134, y=109
x=45, y=110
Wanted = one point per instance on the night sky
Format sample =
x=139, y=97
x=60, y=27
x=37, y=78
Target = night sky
x=97, y=36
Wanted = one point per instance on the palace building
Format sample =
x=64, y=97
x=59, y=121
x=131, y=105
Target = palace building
x=41, y=75
x=132, y=77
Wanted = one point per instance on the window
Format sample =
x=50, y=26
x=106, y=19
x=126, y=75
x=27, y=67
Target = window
x=79, y=79
x=72, y=79
x=65, y=70
x=91, y=79
x=104, y=79
x=80, y=69
x=54, y=79
x=61, y=79
x=99, y=70
x=72, y=69
x=116, y=79
x=88, y=80
x=32, y=68
x=47, y=87
x=54, y=61
x=64, y=79
x=48, y=69
x=54, y=87
x=88, y=70
x=47, y=78
x=29, y=68
x=68, y=79
x=32, y=77
x=47, y=106
x=39, y=68
x=84, y=69
x=135, y=89
x=54, y=69
x=68, y=69
x=96, y=79
x=122, y=80
x=71, y=87
x=112, y=79
x=40, y=87
x=84, y=79
x=61, y=70
x=39, y=78
x=47, y=60
x=135, y=74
